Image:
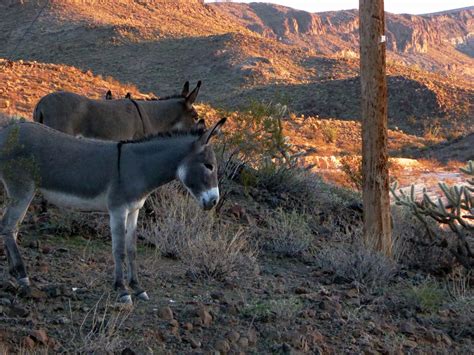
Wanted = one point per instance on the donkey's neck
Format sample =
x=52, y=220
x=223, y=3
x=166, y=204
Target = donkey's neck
x=157, y=161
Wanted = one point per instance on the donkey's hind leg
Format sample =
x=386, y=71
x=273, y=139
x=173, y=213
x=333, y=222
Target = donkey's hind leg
x=131, y=246
x=118, y=220
x=19, y=199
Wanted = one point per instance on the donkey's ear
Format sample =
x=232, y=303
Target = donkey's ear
x=108, y=95
x=206, y=137
x=201, y=124
x=185, y=91
x=128, y=95
x=193, y=95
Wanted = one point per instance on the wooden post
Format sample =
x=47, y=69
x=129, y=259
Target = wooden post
x=376, y=197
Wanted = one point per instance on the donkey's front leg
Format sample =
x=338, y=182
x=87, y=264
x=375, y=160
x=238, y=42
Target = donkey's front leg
x=131, y=246
x=118, y=221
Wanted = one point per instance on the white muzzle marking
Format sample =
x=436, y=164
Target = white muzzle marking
x=209, y=195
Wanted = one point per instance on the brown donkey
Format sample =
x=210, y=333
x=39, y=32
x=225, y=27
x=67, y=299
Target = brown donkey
x=120, y=119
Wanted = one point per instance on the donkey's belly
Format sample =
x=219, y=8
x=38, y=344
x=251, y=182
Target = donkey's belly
x=61, y=199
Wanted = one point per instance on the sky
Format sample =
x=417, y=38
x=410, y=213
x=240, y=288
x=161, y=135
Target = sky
x=395, y=6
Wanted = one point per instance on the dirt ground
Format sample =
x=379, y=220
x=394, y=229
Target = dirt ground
x=292, y=306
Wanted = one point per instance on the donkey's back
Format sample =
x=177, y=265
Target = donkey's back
x=80, y=116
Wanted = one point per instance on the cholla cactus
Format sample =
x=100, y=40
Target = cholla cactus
x=457, y=212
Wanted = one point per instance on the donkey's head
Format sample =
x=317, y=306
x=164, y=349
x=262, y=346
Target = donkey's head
x=181, y=110
x=108, y=95
x=198, y=171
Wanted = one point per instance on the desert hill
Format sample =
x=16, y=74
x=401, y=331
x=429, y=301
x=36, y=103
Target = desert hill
x=158, y=45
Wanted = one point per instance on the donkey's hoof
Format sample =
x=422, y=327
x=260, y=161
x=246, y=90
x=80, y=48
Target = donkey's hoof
x=24, y=282
x=125, y=299
x=143, y=296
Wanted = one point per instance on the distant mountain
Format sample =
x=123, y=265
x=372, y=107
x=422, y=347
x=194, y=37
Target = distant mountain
x=441, y=41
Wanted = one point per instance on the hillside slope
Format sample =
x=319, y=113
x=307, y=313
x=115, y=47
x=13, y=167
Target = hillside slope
x=158, y=45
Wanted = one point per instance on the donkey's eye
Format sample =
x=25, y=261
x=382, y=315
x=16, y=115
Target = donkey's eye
x=209, y=166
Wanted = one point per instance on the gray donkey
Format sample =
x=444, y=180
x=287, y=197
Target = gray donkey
x=119, y=119
x=93, y=175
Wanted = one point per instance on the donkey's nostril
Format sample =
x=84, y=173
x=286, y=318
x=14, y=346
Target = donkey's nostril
x=214, y=201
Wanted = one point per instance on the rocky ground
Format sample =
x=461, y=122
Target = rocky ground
x=293, y=305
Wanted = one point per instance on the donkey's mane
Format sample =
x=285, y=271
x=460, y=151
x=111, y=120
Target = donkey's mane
x=195, y=132
x=162, y=98
x=175, y=96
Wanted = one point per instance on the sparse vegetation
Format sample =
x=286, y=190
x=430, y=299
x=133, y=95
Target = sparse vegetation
x=355, y=262
x=268, y=310
x=207, y=246
x=329, y=133
x=287, y=234
x=427, y=297
x=351, y=166
x=455, y=212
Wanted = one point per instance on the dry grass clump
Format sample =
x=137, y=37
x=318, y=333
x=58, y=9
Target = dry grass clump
x=414, y=248
x=354, y=262
x=207, y=246
x=287, y=234
x=219, y=253
x=99, y=331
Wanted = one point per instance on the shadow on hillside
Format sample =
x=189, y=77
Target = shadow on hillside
x=160, y=66
x=459, y=149
x=341, y=99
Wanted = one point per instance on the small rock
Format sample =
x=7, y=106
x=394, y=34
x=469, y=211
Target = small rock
x=17, y=311
x=166, y=313
x=188, y=326
x=40, y=336
x=243, y=342
x=222, y=345
x=218, y=295
x=4, y=103
x=194, y=343
x=174, y=323
x=233, y=336
x=410, y=343
x=407, y=328
x=301, y=291
x=252, y=336
x=204, y=316
x=5, y=301
x=63, y=320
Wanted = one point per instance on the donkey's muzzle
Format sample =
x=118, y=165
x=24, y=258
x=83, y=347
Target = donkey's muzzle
x=210, y=198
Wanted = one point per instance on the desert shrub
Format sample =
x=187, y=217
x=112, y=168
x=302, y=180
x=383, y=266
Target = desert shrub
x=207, y=246
x=287, y=234
x=172, y=218
x=413, y=248
x=219, y=252
x=456, y=213
x=329, y=133
x=428, y=296
x=260, y=136
x=355, y=262
x=351, y=166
